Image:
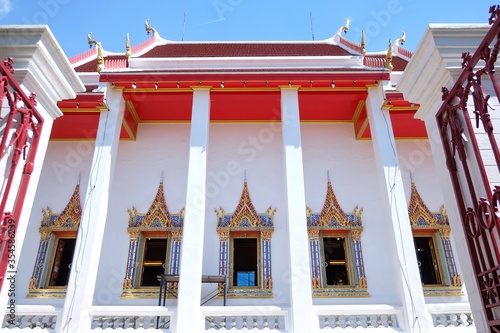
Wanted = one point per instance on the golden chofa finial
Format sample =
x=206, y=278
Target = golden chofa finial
x=388, y=57
x=100, y=58
x=401, y=40
x=128, y=48
x=345, y=27
x=149, y=28
x=363, y=44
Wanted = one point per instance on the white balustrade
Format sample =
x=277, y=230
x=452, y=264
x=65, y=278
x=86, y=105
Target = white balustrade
x=451, y=315
x=40, y=317
x=357, y=316
x=130, y=318
x=245, y=318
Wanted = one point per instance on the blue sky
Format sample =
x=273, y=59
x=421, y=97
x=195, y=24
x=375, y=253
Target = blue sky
x=244, y=20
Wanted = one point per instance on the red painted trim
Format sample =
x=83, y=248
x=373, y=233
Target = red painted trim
x=153, y=77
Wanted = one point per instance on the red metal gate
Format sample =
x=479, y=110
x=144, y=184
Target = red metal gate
x=477, y=201
x=20, y=134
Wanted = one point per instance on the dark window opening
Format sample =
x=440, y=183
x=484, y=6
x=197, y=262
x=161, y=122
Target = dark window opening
x=245, y=262
x=59, y=274
x=336, y=271
x=153, y=264
x=427, y=260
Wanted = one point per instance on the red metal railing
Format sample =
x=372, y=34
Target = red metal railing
x=477, y=201
x=20, y=138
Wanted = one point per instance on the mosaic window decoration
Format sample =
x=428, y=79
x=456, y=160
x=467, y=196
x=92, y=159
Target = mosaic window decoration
x=154, y=248
x=55, y=253
x=245, y=248
x=335, y=245
x=431, y=232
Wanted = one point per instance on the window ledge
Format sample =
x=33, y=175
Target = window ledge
x=249, y=293
x=145, y=292
x=433, y=291
x=47, y=293
x=341, y=292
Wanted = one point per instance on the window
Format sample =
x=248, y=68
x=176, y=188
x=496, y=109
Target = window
x=55, y=252
x=335, y=246
x=337, y=269
x=154, y=248
x=245, y=267
x=427, y=259
x=154, y=261
x=61, y=267
x=431, y=234
x=245, y=248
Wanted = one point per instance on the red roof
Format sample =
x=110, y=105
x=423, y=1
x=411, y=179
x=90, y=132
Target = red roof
x=378, y=61
x=180, y=50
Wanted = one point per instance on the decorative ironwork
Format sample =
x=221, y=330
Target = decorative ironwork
x=20, y=138
x=476, y=200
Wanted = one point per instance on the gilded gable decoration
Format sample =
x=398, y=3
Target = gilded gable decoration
x=332, y=215
x=68, y=219
x=51, y=225
x=336, y=256
x=156, y=223
x=246, y=222
x=421, y=217
x=157, y=217
x=245, y=217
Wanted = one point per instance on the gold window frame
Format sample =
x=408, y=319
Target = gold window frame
x=246, y=221
x=426, y=223
x=332, y=221
x=348, y=259
x=52, y=228
x=142, y=252
x=157, y=222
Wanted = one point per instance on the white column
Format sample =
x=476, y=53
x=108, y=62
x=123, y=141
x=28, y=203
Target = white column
x=394, y=212
x=189, y=316
x=302, y=316
x=75, y=316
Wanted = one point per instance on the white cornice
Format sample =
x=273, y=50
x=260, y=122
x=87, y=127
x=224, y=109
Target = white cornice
x=40, y=64
x=436, y=59
x=244, y=63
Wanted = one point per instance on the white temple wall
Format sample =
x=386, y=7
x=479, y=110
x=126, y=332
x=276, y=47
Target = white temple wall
x=233, y=148
x=257, y=149
x=65, y=163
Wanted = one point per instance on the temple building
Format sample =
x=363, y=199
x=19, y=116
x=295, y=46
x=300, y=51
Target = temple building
x=193, y=186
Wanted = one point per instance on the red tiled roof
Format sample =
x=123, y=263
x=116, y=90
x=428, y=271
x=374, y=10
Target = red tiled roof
x=91, y=65
x=378, y=61
x=244, y=50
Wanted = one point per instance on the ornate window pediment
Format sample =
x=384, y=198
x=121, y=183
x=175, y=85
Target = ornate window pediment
x=336, y=255
x=55, y=252
x=245, y=248
x=431, y=232
x=154, y=249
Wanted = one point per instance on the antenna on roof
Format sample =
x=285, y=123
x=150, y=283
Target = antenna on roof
x=183, y=26
x=312, y=26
